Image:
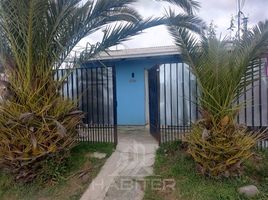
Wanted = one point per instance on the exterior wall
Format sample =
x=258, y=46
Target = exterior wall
x=131, y=109
x=131, y=91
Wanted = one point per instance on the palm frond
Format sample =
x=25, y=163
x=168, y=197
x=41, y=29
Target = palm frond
x=188, y=44
x=53, y=27
x=247, y=54
x=114, y=35
x=224, y=69
x=189, y=6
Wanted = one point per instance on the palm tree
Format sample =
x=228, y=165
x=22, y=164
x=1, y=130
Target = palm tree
x=223, y=69
x=36, y=36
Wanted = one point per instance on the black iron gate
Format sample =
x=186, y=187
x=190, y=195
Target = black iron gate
x=154, y=106
x=173, y=100
x=94, y=91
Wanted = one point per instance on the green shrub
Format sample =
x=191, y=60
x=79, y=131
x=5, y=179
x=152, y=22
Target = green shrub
x=224, y=70
x=36, y=125
x=54, y=168
x=221, y=152
x=257, y=166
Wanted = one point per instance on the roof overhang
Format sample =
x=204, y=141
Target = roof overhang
x=137, y=53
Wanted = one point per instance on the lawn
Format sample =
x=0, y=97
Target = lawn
x=70, y=181
x=173, y=163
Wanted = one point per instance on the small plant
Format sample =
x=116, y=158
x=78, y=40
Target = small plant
x=54, y=168
x=257, y=166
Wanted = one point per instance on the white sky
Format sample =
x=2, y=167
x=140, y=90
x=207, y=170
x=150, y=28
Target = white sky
x=220, y=11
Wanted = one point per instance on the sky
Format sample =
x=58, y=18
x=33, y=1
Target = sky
x=218, y=11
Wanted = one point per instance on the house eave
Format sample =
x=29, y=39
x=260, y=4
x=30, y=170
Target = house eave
x=137, y=53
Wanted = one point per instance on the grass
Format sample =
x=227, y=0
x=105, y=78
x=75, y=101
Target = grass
x=173, y=163
x=72, y=179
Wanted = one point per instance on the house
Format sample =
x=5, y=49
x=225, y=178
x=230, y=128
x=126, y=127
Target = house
x=132, y=79
x=147, y=86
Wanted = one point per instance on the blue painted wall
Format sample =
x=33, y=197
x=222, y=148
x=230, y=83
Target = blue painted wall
x=131, y=91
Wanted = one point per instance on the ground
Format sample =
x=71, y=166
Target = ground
x=174, y=163
x=131, y=162
x=80, y=171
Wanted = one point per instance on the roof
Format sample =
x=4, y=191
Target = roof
x=138, y=53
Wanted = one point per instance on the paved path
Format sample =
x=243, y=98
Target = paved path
x=123, y=173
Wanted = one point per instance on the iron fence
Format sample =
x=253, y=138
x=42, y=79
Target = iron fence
x=173, y=101
x=178, y=100
x=93, y=90
x=177, y=94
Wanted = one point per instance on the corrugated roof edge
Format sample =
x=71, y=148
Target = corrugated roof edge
x=138, y=53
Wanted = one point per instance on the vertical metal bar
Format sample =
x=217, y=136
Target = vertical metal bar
x=260, y=93
x=108, y=104
x=67, y=83
x=150, y=106
x=102, y=99
x=111, y=106
x=77, y=93
x=196, y=98
x=183, y=100
x=110, y=92
x=97, y=93
x=115, y=106
x=171, y=138
x=238, y=116
x=92, y=104
x=252, y=94
x=245, y=99
x=72, y=84
x=82, y=98
x=177, y=97
x=62, y=86
x=155, y=99
x=87, y=104
x=77, y=88
x=165, y=105
x=100, y=103
x=153, y=76
x=57, y=74
x=190, y=97
x=158, y=104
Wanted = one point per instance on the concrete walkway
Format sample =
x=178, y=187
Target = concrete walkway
x=122, y=176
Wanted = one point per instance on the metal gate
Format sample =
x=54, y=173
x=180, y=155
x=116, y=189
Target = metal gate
x=178, y=101
x=173, y=99
x=154, y=112
x=94, y=92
